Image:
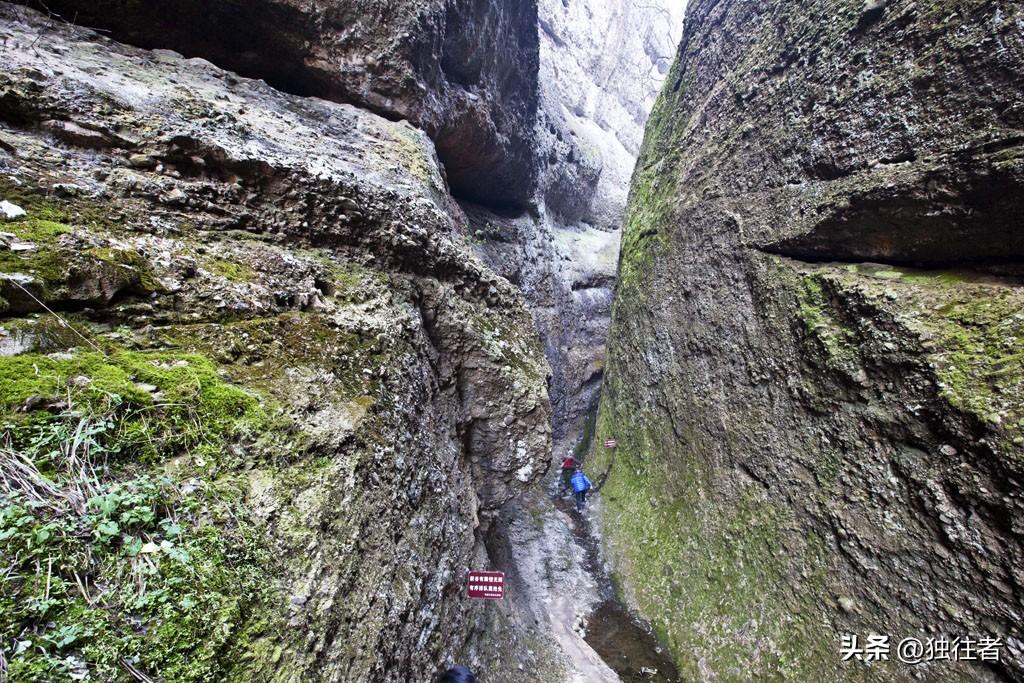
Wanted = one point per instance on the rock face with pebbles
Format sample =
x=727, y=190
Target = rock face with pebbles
x=815, y=360
x=277, y=289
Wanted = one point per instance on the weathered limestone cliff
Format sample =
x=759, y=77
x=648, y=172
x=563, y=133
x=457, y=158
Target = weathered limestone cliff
x=289, y=399
x=601, y=67
x=601, y=64
x=403, y=59
x=815, y=368
x=536, y=111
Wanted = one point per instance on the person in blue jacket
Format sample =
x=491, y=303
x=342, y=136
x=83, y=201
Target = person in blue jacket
x=580, y=486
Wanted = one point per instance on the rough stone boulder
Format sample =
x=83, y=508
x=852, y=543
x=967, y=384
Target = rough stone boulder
x=465, y=71
x=814, y=368
x=338, y=395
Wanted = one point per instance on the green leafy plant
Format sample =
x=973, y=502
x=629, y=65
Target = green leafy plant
x=110, y=559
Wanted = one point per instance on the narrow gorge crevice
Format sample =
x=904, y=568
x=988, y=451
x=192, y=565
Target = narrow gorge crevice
x=279, y=299
x=304, y=302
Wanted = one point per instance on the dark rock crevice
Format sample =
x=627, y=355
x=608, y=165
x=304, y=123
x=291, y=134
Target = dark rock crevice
x=963, y=212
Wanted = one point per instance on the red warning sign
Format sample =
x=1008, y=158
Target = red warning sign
x=610, y=443
x=486, y=585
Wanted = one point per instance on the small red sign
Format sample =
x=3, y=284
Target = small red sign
x=486, y=585
x=610, y=443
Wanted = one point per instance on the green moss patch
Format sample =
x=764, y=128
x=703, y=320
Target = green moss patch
x=44, y=261
x=654, y=195
x=124, y=557
x=259, y=353
x=970, y=325
x=171, y=403
x=411, y=155
x=53, y=260
x=504, y=339
x=42, y=206
x=833, y=339
x=140, y=269
x=351, y=282
x=232, y=270
x=582, y=448
x=715, y=578
x=978, y=346
x=648, y=217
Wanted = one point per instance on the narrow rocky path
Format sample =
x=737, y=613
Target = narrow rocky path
x=558, y=578
x=624, y=643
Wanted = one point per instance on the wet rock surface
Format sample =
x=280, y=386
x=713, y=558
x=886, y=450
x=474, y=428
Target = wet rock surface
x=563, y=603
x=551, y=589
x=628, y=647
x=814, y=438
x=308, y=253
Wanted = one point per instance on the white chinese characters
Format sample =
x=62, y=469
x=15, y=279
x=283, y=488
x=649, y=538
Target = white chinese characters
x=875, y=647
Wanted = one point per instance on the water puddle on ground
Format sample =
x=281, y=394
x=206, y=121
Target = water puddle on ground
x=629, y=648
x=626, y=645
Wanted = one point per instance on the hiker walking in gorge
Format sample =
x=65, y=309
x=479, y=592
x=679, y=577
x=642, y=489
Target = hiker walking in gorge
x=580, y=486
x=568, y=466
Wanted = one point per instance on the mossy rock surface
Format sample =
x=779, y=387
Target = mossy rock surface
x=970, y=325
x=301, y=393
x=814, y=358
x=125, y=527
x=66, y=252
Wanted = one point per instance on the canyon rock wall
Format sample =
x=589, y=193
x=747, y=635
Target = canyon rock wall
x=536, y=111
x=465, y=71
x=601, y=64
x=601, y=67
x=815, y=371
x=295, y=398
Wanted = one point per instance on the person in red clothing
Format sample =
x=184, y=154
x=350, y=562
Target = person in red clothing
x=568, y=467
